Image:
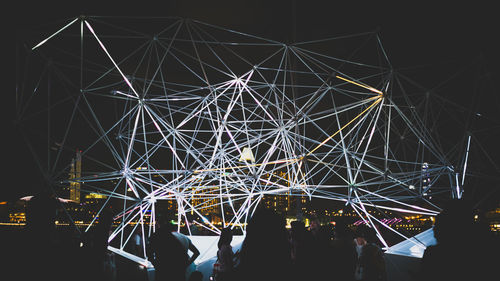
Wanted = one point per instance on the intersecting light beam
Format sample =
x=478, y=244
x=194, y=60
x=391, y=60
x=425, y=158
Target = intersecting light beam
x=361, y=85
x=378, y=99
x=465, y=166
x=288, y=161
x=111, y=58
x=57, y=32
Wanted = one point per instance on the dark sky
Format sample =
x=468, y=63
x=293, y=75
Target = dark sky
x=410, y=29
x=413, y=32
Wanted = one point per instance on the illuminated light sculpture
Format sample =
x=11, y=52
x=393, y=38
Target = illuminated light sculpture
x=198, y=113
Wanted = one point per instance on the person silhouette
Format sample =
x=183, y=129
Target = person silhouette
x=344, y=254
x=314, y=226
x=461, y=252
x=300, y=241
x=310, y=250
x=370, y=263
x=41, y=211
x=166, y=253
x=225, y=256
x=137, y=242
x=265, y=251
x=300, y=250
x=188, y=246
x=39, y=238
x=100, y=261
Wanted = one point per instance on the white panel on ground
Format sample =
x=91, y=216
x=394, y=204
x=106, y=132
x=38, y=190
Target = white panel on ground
x=208, y=247
x=415, y=246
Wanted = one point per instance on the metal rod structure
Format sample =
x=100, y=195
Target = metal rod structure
x=216, y=121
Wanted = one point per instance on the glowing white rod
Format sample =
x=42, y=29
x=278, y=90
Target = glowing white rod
x=112, y=60
x=402, y=203
x=142, y=261
x=465, y=167
x=48, y=38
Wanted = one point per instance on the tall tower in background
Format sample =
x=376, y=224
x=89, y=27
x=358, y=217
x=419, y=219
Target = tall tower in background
x=75, y=173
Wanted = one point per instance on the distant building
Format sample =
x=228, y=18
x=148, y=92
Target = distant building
x=206, y=199
x=493, y=220
x=284, y=202
x=17, y=217
x=277, y=202
x=74, y=176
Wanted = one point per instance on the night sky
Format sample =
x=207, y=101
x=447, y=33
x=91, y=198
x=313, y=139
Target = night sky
x=422, y=32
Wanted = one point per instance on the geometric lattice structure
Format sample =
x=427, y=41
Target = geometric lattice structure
x=183, y=111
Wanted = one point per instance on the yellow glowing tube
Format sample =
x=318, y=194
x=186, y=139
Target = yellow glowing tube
x=361, y=85
x=378, y=99
x=290, y=161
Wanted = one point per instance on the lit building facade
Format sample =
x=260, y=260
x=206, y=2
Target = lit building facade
x=74, y=174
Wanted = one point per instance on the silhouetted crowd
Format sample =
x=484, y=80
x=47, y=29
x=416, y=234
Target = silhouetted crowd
x=465, y=250
x=41, y=252
x=272, y=252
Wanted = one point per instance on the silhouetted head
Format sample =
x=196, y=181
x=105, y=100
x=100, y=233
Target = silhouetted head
x=342, y=231
x=165, y=223
x=41, y=212
x=266, y=240
x=106, y=217
x=366, y=233
x=266, y=224
x=297, y=230
x=297, y=225
x=455, y=222
x=44, y=193
x=226, y=236
x=325, y=233
x=314, y=224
